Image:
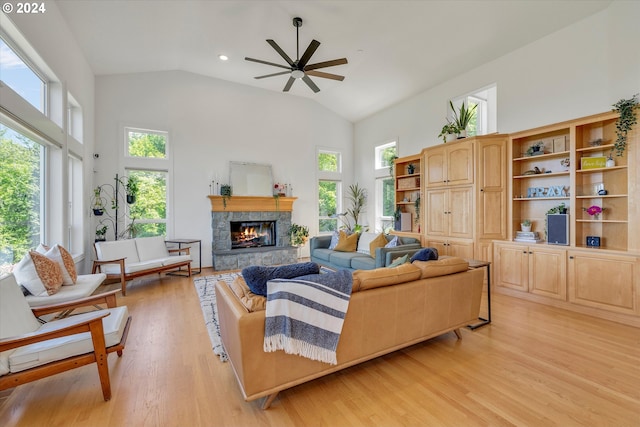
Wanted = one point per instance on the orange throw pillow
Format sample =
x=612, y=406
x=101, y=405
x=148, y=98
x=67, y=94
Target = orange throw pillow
x=378, y=242
x=347, y=242
x=48, y=271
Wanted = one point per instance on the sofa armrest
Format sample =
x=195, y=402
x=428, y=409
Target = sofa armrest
x=319, y=242
x=107, y=298
x=98, y=263
x=385, y=256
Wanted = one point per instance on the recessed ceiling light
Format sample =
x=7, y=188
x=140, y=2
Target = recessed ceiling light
x=223, y=57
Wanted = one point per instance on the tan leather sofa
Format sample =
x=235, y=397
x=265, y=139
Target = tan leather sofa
x=390, y=308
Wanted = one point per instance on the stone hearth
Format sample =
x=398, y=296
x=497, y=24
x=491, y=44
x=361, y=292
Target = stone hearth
x=248, y=208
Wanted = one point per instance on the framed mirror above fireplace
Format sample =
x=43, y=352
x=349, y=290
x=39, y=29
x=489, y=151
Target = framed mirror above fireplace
x=250, y=179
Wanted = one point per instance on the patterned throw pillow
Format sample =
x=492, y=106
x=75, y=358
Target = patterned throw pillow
x=65, y=261
x=334, y=240
x=392, y=243
x=48, y=271
x=347, y=243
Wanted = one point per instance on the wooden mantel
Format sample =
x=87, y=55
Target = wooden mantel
x=252, y=204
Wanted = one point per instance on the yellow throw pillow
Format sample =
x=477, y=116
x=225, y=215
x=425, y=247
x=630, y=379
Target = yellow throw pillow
x=252, y=302
x=48, y=271
x=347, y=242
x=378, y=242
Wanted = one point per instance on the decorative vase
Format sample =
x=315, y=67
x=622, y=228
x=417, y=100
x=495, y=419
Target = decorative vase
x=596, y=217
x=525, y=228
x=451, y=137
x=462, y=134
x=610, y=162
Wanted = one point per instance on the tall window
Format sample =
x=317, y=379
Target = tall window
x=329, y=190
x=485, y=120
x=76, y=219
x=20, y=77
x=385, y=185
x=21, y=195
x=146, y=161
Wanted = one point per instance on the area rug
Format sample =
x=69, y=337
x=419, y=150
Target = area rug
x=205, y=287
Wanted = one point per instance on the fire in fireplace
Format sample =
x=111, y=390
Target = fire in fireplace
x=252, y=234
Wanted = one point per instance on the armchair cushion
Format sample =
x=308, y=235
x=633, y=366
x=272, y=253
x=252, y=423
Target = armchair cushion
x=48, y=271
x=85, y=285
x=60, y=348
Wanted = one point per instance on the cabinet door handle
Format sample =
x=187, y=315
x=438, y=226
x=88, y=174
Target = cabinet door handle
x=524, y=252
x=530, y=252
x=481, y=190
x=571, y=257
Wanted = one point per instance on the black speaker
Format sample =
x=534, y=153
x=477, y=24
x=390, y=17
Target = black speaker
x=558, y=229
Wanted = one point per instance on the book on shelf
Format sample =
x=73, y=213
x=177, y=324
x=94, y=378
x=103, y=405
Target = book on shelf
x=528, y=234
x=527, y=240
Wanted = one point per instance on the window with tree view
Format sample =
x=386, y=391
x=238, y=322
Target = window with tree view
x=21, y=195
x=148, y=215
x=329, y=190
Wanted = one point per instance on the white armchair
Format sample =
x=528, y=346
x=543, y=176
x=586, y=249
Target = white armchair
x=30, y=350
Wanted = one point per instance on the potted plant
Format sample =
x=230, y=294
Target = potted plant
x=101, y=230
x=392, y=162
x=525, y=225
x=98, y=202
x=396, y=219
x=226, y=193
x=358, y=198
x=131, y=188
x=449, y=132
x=627, y=109
x=463, y=117
x=535, y=149
x=299, y=235
x=411, y=168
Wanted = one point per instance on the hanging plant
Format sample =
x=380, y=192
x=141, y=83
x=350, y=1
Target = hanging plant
x=627, y=109
x=225, y=192
x=416, y=204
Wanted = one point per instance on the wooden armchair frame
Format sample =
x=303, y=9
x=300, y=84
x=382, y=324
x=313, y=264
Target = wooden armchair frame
x=93, y=325
x=124, y=276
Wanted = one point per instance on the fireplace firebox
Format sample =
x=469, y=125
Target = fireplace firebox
x=252, y=234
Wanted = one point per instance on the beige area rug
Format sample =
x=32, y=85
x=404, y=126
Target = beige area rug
x=205, y=287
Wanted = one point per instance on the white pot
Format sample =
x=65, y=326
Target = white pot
x=451, y=137
x=462, y=134
x=525, y=228
x=610, y=163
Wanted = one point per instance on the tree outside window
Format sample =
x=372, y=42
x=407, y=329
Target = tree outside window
x=329, y=190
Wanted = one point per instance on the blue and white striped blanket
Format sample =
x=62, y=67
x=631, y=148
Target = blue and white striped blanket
x=304, y=316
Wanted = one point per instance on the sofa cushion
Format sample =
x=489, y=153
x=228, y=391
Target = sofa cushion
x=363, y=263
x=176, y=259
x=117, y=249
x=441, y=267
x=322, y=254
x=343, y=259
x=379, y=242
x=257, y=276
x=425, y=254
x=249, y=300
x=151, y=248
x=129, y=268
x=370, y=279
x=399, y=261
x=84, y=286
x=347, y=242
x=364, y=241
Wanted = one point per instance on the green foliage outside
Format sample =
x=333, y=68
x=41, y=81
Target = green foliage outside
x=388, y=197
x=327, y=198
x=328, y=162
x=151, y=203
x=19, y=195
x=147, y=145
x=389, y=154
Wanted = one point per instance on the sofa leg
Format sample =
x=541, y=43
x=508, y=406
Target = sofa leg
x=457, y=332
x=269, y=400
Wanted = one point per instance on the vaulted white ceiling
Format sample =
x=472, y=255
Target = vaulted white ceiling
x=395, y=49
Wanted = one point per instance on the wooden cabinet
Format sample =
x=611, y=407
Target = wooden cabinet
x=408, y=190
x=453, y=247
x=465, y=195
x=610, y=282
x=450, y=212
x=570, y=169
x=450, y=164
x=539, y=270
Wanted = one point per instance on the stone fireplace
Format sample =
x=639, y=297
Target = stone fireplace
x=251, y=230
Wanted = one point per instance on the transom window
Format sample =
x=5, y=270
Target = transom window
x=146, y=143
x=20, y=77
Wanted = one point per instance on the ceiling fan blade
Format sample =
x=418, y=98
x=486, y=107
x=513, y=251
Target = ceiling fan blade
x=280, y=51
x=311, y=84
x=260, y=61
x=325, y=75
x=272, y=75
x=326, y=64
x=306, y=56
x=288, y=85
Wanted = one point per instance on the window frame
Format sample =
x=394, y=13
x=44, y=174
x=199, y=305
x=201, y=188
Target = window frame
x=331, y=176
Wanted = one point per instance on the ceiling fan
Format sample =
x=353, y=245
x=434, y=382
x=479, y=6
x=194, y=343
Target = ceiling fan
x=299, y=69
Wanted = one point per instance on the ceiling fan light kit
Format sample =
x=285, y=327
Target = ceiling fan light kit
x=300, y=69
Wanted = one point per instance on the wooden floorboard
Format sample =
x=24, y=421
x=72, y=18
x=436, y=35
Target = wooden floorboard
x=533, y=366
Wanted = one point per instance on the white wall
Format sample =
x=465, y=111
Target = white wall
x=212, y=122
x=580, y=70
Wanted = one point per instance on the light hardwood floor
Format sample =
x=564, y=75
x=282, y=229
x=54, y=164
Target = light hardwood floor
x=533, y=366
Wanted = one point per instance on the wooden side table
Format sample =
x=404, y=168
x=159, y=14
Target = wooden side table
x=474, y=263
x=181, y=242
